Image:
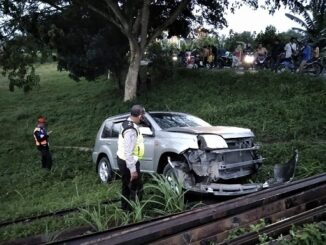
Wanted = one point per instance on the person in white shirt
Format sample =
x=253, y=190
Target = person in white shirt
x=290, y=49
x=130, y=151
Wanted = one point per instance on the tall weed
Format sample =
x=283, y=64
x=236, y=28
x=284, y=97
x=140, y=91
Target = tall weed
x=170, y=197
x=97, y=217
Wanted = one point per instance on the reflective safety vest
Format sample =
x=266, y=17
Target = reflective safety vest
x=42, y=131
x=139, y=147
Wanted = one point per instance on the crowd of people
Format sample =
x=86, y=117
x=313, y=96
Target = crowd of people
x=294, y=51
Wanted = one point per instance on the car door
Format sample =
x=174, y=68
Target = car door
x=109, y=138
x=146, y=163
x=113, y=141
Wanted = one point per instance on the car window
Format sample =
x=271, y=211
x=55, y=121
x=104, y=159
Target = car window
x=170, y=120
x=116, y=129
x=106, y=132
x=112, y=129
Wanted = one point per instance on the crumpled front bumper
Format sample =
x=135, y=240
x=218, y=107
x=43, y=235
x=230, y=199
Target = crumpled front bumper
x=283, y=173
x=228, y=189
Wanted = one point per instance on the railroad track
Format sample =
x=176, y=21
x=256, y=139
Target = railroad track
x=57, y=213
x=281, y=227
x=300, y=201
x=212, y=224
x=66, y=211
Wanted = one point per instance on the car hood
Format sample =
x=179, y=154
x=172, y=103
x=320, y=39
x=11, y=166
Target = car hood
x=224, y=131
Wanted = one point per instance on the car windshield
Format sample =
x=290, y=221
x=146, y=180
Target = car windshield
x=170, y=120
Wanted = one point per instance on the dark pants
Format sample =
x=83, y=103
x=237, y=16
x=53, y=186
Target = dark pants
x=275, y=61
x=129, y=189
x=46, y=156
x=205, y=61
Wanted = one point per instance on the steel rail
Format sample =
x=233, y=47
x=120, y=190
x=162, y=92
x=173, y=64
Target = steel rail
x=56, y=213
x=167, y=227
x=270, y=213
x=281, y=227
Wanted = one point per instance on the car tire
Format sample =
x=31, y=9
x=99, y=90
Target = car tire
x=173, y=175
x=170, y=176
x=168, y=170
x=104, y=170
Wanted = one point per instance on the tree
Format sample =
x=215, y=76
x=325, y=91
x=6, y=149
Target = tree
x=314, y=19
x=20, y=74
x=139, y=21
x=207, y=41
x=284, y=37
x=142, y=21
x=86, y=47
x=235, y=39
x=267, y=37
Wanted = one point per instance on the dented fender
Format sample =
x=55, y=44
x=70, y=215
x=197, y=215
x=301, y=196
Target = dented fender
x=181, y=142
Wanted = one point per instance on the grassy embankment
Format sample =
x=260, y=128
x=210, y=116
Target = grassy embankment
x=285, y=111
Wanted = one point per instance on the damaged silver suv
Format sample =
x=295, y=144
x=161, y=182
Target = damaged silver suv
x=204, y=158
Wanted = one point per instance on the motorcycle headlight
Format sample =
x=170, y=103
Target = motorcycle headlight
x=249, y=59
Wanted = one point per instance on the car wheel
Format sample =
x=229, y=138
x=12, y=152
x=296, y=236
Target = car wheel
x=168, y=171
x=176, y=176
x=104, y=170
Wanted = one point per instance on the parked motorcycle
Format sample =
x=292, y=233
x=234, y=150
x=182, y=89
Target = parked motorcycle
x=261, y=61
x=314, y=67
x=225, y=60
x=199, y=62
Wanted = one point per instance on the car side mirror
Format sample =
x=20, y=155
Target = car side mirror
x=146, y=131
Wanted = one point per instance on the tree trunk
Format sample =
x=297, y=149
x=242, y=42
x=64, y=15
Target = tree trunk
x=131, y=79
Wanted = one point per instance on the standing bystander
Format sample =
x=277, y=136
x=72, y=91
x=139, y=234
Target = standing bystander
x=130, y=151
x=41, y=140
x=307, y=55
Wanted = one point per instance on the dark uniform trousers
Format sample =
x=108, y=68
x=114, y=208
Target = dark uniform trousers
x=130, y=190
x=46, y=156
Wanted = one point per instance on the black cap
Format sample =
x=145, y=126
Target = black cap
x=137, y=110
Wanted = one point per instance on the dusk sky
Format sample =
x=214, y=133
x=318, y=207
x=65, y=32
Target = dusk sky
x=246, y=19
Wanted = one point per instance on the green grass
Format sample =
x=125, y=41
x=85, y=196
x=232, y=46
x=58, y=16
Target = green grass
x=44, y=226
x=70, y=107
x=160, y=198
x=285, y=111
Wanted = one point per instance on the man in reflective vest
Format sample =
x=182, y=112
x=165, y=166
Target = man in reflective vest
x=130, y=151
x=42, y=144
